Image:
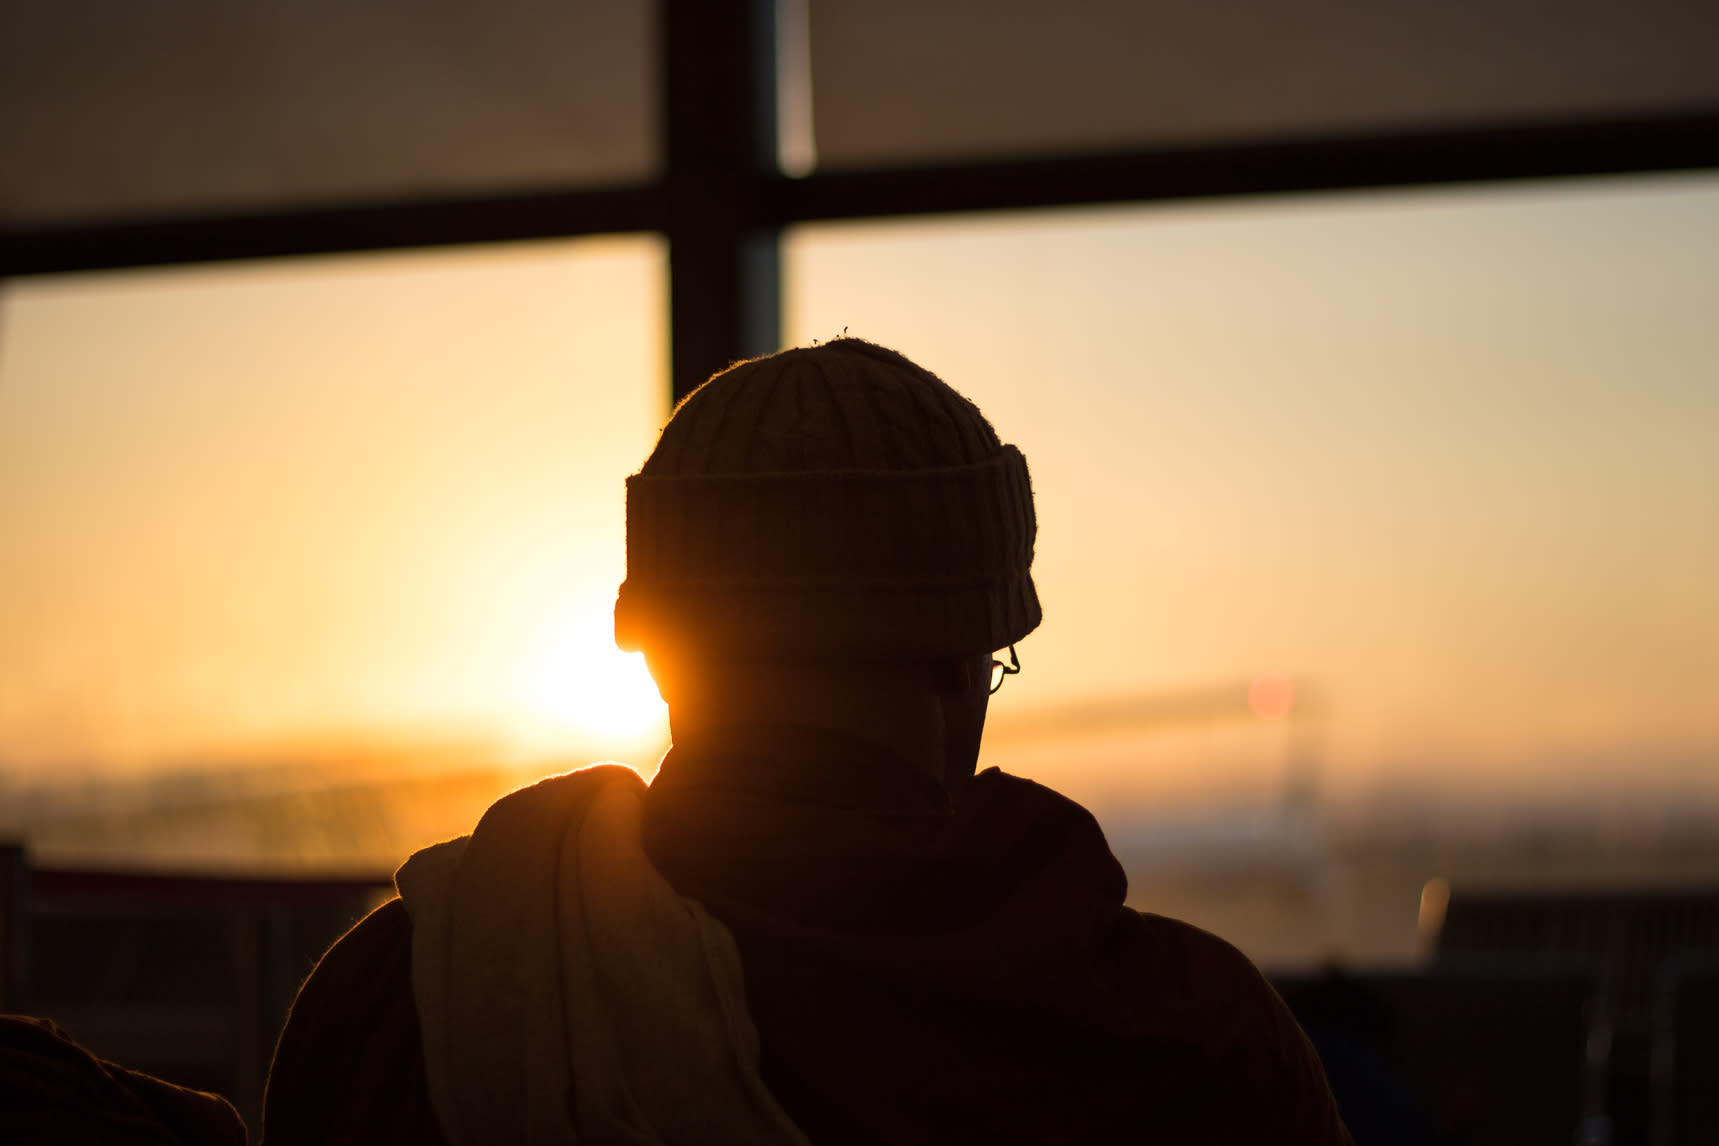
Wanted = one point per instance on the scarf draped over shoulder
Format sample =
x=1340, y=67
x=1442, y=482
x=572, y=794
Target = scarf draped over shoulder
x=566, y=993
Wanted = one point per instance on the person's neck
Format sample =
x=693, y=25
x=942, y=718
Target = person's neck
x=900, y=718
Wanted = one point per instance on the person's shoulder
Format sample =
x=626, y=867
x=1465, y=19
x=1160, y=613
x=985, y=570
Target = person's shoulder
x=995, y=783
x=1205, y=974
x=53, y=1089
x=994, y=793
x=358, y=980
x=1244, y=1024
x=348, y=1066
x=384, y=931
x=1192, y=950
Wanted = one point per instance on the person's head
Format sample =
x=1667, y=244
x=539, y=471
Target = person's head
x=824, y=528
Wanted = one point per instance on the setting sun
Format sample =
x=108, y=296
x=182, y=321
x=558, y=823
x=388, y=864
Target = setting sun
x=576, y=680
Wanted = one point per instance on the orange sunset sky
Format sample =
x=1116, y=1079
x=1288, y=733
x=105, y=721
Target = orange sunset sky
x=1449, y=460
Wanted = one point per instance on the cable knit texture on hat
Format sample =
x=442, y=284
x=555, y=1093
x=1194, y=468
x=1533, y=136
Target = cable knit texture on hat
x=833, y=500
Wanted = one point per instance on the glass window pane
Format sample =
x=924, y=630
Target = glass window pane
x=340, y=522
x=118, y=109
x=897, y=81
x=1445, y=460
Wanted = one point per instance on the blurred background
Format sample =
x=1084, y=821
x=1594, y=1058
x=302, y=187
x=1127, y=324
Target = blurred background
x=1364, y=358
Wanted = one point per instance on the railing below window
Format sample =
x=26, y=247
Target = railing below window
x=186, y=977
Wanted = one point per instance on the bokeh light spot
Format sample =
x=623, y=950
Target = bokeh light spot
x=1271, y=696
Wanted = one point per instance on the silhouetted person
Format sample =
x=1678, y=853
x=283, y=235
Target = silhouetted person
x=53, y=1092
x=817, y=924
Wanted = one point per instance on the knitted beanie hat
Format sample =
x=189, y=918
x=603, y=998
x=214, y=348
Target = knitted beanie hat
x=833, y=500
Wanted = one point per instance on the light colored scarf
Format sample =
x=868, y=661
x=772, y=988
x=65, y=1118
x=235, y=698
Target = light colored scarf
x=567, y=994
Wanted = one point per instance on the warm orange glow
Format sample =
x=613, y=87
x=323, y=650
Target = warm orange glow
x=1442, y=452
x=1435, y=899
x=1271, y=696
x=1447, y=454
x=379, y=535
x=577, y=681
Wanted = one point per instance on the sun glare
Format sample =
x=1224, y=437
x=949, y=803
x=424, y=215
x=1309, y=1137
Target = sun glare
x=577, y=681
